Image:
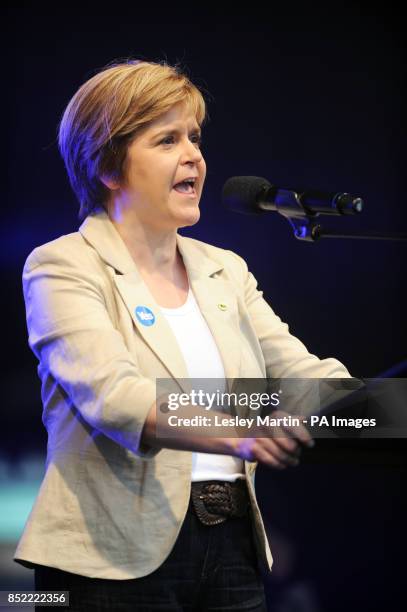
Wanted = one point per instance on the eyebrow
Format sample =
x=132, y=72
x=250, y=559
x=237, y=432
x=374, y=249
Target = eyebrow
x=196, y=130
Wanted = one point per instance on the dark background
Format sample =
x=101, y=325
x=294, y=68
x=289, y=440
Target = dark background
x=311, y=98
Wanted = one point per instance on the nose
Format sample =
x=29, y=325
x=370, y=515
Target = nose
x=191, y=152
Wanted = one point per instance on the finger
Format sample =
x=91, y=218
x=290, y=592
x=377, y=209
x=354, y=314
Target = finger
x=289, y=445
x=264, y=457
x=300, y=433
x=297, y=432
x=278, y=452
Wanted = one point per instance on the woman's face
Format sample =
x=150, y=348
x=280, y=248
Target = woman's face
x=162, y=155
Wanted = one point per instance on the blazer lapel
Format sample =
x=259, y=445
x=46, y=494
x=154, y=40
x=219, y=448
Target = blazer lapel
x=158, y=336
x=217, y=300
x=100, y=232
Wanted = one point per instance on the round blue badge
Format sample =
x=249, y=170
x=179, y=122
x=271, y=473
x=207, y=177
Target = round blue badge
x=145, y=315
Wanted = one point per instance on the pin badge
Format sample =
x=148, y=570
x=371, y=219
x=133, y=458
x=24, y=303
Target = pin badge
x=222, y=306
x=145, y=315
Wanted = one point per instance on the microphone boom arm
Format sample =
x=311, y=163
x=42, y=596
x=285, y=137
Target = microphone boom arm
x=300, y=209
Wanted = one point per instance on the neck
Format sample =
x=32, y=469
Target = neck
x=153, y=249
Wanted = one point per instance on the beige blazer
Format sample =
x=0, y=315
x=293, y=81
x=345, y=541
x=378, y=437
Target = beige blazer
x=105, y=509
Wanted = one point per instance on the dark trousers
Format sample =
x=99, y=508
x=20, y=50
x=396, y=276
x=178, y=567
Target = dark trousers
x=210, y=569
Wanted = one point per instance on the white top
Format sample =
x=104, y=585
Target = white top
x=203, y=360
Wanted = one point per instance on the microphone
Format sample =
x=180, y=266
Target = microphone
x=254, y=195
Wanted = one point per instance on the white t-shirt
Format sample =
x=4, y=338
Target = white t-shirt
x=203, y=360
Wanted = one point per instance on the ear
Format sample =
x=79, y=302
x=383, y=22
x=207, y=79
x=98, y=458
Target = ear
x=110, y=181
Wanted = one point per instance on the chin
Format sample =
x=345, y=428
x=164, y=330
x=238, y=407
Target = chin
x=189, y=219
x=188, y=216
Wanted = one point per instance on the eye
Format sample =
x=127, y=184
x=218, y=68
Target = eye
x=167, y=140
x=195, y=138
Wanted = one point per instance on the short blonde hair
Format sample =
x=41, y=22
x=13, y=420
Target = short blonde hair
x=107, y=112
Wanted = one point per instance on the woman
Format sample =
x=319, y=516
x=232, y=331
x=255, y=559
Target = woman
x=114, y=307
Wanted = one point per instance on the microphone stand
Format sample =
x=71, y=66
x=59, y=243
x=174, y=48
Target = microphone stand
x=304, y=229
x=301, y=215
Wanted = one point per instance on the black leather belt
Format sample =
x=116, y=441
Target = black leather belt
x=215, y=501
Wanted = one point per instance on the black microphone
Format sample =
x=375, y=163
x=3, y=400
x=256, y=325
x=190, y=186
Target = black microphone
x=253, y=195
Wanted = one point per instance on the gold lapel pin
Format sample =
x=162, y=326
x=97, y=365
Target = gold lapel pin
x=222, y=306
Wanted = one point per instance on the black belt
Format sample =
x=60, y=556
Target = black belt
x=215, y=501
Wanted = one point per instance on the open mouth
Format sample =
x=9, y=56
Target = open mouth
x=186, y=188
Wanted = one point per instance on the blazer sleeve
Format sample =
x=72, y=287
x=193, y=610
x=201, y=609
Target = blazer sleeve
x=285, y=355
x=73, y=337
